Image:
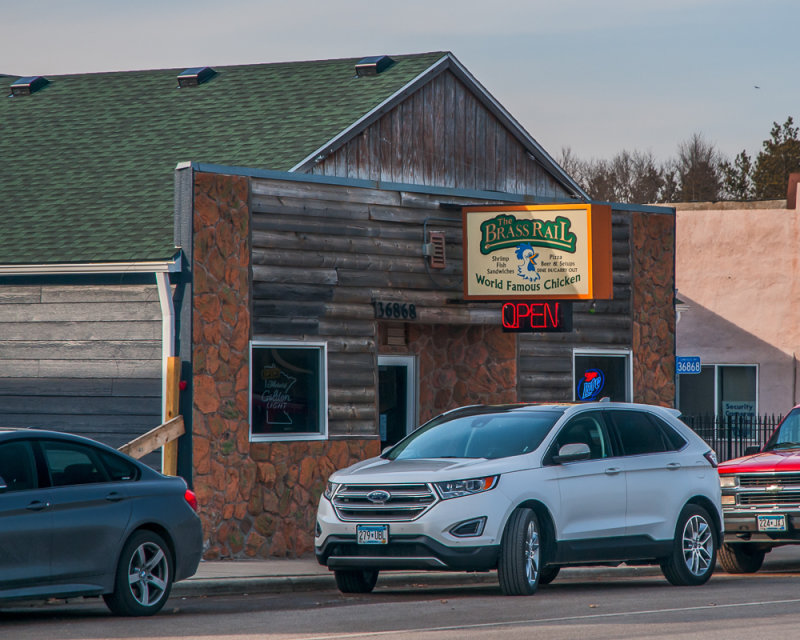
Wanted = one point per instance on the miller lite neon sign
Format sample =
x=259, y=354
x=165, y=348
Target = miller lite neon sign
x=530, y=317
x=590, y=385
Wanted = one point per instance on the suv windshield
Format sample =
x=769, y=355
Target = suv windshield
x=787, y=436
x=481, y=433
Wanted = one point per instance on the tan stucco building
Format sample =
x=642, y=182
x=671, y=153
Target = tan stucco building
x=738, y=281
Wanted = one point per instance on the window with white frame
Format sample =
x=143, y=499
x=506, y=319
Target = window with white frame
x=726, y=390
x=288, y=391
x=602, y=373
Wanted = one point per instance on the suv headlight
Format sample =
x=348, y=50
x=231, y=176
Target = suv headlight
x=729, y=482
x=460, y=488
x=330, y=489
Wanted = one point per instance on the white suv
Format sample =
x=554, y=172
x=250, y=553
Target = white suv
x=527, y=489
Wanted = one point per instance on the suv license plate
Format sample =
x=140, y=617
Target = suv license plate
x=372, y=533
x=772, y=523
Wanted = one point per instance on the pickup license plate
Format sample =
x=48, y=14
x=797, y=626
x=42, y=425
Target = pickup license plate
x=772, y=523
x=372, y=533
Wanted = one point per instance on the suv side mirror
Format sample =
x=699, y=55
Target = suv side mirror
x=749, y=451
x=572, y=452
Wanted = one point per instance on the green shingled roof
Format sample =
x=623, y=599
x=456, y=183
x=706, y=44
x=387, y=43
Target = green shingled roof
x=86, y=164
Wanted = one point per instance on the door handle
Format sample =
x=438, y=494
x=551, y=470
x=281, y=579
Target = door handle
x=37, y=505
x=673, y=465
x=612, y=471
x=114, y=496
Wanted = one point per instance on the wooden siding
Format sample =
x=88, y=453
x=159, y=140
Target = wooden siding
x=442, y=135
x=322, y=254
x=85, y=359
x=545, y=360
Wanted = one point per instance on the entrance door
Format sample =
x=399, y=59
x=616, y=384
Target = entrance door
x=397, y=397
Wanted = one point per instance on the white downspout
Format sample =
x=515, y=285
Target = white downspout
x=167, y=334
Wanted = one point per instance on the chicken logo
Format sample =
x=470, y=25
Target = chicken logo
x=590, y=385
x=527, y=270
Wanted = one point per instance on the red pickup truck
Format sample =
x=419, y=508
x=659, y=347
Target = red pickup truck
x=761, y=499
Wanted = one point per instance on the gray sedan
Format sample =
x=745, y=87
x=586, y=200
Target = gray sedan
x=77, y=518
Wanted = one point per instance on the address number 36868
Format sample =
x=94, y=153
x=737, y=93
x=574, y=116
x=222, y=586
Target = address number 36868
x=395, y=310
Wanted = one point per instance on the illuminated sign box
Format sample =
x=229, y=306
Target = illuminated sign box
x=546, y=252
x=536, y=317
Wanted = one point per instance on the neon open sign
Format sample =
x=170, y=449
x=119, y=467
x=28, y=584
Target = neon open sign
x=529, y=317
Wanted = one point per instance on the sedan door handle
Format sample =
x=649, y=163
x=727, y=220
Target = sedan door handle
x=673, y=465
x=612, y=471
x=37, y=505
x=114, y=496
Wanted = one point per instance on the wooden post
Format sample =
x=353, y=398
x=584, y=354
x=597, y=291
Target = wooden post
x=170, y=449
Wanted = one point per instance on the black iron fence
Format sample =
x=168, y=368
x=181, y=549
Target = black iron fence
x=730, y=436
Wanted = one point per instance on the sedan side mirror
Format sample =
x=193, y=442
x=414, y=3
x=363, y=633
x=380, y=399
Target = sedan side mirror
x=572, y=452
x=749, y=451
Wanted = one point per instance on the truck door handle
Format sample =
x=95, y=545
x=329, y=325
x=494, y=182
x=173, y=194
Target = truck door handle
x=673, y=465
x=612, y=471
x=37, y=505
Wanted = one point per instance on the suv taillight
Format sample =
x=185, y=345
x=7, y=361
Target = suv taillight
x=712, y=458
x=191, y=498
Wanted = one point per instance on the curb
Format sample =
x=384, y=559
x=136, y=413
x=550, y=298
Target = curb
x=199, y=587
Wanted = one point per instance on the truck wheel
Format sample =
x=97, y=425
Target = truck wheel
x=741, y=558
x=694, y=550
x=356, y=580
x=520, y=554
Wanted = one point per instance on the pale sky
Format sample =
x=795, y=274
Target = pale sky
x=598, y=76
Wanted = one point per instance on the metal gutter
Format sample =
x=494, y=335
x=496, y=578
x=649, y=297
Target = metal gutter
x=450, y=192
x=447, y=192
x=170, y=266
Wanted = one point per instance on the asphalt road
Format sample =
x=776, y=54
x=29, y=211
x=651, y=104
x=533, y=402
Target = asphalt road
x=763, y=605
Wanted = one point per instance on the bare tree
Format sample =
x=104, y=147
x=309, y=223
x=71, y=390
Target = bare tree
x=628, y=177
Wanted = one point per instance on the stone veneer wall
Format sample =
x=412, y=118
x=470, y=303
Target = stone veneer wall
x=461, y=365
x=653, y=308
x=255, y=499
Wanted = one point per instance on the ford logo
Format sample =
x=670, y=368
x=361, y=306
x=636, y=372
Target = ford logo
x=379, y=496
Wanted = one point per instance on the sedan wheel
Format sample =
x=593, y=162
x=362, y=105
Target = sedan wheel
x=144, y=576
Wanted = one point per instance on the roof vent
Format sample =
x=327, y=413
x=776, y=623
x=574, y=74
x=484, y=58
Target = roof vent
x=195, y=76
x=373, y=65
x=28, y=85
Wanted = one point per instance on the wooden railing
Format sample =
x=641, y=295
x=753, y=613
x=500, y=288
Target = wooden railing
x=155, y=438
x=167, y=434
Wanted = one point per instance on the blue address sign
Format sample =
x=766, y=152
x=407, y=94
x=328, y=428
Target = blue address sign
x=687, y=364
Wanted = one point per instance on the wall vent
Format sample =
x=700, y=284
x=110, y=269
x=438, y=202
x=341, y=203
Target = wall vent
x=435, y=249
x=28, y=85
x=394, y=335
x=195, y=76
x=373, y=65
